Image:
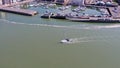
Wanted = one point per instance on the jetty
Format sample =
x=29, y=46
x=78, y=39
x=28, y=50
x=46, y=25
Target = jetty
x=10, y=9
x=19, y=11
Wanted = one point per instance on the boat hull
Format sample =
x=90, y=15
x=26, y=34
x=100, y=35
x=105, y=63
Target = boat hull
x=93, y=20
x=54, y=16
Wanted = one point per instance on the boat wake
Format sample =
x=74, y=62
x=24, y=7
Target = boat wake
x=87, y=39
x=74, y=40
x=105, y=27
x=87, y=27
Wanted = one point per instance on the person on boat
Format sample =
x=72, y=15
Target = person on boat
x=67, y=40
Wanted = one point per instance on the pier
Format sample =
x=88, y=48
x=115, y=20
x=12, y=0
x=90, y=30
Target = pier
x=8, y=8
x=19, y=11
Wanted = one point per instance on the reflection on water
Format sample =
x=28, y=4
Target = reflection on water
x=24, y=6
x=2, y=15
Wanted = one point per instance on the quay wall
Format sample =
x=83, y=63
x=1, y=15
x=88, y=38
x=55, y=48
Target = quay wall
x=19, y=11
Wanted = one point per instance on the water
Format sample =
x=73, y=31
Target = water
x=31, y=42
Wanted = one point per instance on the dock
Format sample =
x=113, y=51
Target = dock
x=19, y=11
x=10, y=9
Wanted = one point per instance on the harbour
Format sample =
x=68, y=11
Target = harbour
x=108, y=14
x=109, y=7
x=33, y=42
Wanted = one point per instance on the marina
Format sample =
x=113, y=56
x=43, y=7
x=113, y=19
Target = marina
x=109, y=13
x=110, y=10
x=34, y=42
x=108, y=16
x=29, y=42
x=16, y=3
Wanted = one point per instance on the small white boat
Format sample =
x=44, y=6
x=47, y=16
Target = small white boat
x=66, y=41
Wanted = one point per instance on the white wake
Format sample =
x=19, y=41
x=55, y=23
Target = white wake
x=87, y=27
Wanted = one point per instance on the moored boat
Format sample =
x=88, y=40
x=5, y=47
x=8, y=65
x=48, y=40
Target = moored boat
x=46, y=16
x=55, y=16
x=93, y=19
x=78, y=18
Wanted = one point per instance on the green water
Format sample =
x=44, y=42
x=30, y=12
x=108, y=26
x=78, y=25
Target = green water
x=31, y=42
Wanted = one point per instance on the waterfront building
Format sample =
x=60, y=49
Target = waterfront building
x=73, y=2
x=78, y=2
x=107, y=0
x=6, y=2
x=0, y=2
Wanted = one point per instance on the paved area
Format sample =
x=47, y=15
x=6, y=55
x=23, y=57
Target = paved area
x=19, y=11
x=115, y=11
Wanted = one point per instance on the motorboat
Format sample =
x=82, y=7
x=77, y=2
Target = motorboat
x=66, y=41
x=53, y=15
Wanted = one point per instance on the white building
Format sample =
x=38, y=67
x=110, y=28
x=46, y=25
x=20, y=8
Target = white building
x=0, y=2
